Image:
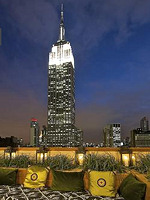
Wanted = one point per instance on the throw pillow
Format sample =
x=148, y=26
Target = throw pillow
x=36, y=177
x=8, y=176
x=131, y=188
x=102, y=183
x=67, y=181
x=50, y=176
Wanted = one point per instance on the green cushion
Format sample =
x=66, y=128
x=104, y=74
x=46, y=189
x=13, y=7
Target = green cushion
x=131, y=188
x=67, y=181
x=8, y=176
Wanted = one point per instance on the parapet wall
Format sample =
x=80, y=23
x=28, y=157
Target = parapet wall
x=126, y=155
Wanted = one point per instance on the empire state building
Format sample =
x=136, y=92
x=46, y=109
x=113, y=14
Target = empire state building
x=61, y=130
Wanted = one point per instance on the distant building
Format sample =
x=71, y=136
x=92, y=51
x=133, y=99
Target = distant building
x=126, y=142
x=86, y=144
x=9, y=141
x=42, y=137
x=144, y=124
x=61, y=129
x=34, y=133
x=139, y=138
x=112, y=135
x=20, y=142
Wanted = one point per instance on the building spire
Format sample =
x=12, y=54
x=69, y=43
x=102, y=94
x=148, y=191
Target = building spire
x=62, y=28
x=62, y=14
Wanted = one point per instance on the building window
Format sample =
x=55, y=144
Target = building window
x=67, y=53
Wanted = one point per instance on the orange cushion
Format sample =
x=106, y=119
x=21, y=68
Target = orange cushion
x=21, y=175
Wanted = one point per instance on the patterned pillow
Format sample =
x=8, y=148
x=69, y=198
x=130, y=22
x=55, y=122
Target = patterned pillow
x=102, y=183
x=36, y=177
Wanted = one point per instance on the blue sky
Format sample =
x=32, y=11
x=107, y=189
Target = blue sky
x=111, y=45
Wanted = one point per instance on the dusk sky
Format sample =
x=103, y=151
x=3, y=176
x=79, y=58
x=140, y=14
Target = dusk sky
x=111, y=46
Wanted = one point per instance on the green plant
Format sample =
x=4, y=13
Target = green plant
x=59, y=162
x=143, y=164
x=21, y=161
x=4, y=162
x=104, y=162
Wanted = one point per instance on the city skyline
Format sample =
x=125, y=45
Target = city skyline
x=111, y=46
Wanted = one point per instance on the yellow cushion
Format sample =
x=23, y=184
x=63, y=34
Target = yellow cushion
x=102, y=183
x=36, y=177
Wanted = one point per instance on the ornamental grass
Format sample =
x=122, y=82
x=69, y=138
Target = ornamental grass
x=59, y=162
x=21, y=161
x=142, y=165
x=104, y=162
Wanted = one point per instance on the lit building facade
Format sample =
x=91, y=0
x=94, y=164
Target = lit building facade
x=34, y=133
x=61, y=130
x=112, y=135
x=139, y=138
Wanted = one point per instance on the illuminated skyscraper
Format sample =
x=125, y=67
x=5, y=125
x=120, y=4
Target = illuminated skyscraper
x=61, y=130
x=112, y=135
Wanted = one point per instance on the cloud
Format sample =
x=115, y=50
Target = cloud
x=34, y=20
x=38, y=20
x=97, y=19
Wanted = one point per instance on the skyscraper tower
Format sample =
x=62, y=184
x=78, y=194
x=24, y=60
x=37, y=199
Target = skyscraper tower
x=34, y=132
x=61, y=130
x=112, y=135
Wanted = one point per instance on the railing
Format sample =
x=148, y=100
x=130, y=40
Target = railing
x=128, y=156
